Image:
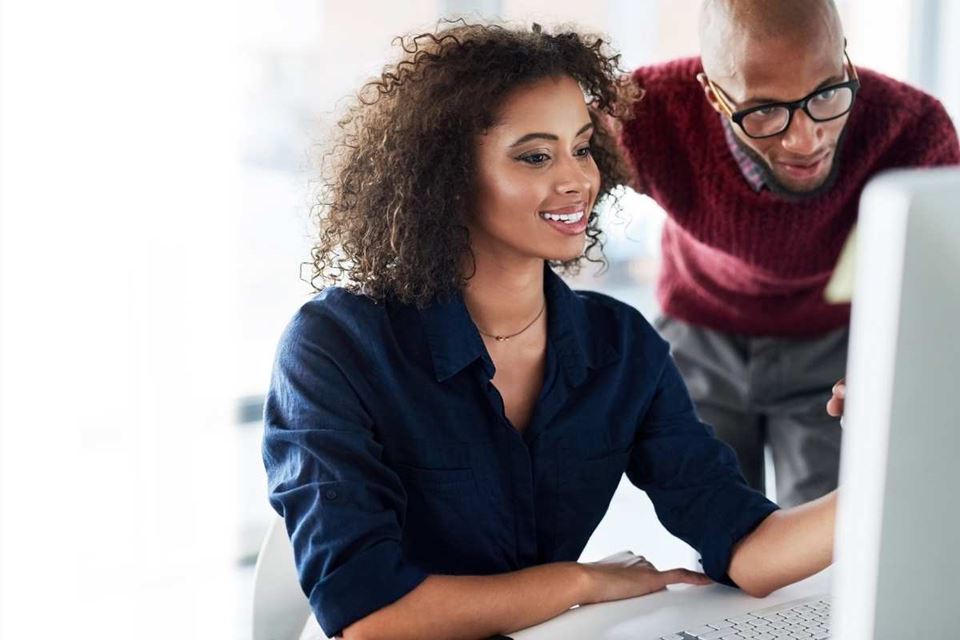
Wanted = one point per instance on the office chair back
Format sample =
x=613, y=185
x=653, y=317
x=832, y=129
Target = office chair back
x=280, y=609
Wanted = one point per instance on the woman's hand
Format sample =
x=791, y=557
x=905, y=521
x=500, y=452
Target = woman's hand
x=835, y=404
x=626, y=575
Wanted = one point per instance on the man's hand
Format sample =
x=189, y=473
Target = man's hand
x=835, y=405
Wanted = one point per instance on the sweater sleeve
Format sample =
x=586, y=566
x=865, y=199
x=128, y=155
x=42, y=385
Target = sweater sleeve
x=934, y=142
x=666, y=125
x=635, y=138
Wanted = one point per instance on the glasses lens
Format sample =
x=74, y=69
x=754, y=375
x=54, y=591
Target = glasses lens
x=766, y=122
x=830, y=103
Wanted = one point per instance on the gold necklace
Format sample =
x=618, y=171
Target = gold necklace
x=514, y=335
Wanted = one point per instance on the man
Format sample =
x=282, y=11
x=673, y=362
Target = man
x=759, y=151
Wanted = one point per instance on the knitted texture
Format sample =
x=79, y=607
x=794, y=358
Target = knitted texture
x=753, y=262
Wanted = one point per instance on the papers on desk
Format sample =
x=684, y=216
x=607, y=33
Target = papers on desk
x=840, y=288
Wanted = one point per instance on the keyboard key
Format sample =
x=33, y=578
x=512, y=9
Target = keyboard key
x=699, y=631
x=723, y=624
x=717, y=635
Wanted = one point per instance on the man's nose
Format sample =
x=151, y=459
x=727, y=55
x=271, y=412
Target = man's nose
x=803, y=136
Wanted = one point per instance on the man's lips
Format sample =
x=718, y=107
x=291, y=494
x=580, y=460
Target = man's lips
x=805, y=168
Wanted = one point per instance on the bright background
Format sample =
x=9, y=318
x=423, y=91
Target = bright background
x=154, y=188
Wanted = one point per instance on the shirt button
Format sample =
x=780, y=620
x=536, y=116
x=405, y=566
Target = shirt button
x=330, y=494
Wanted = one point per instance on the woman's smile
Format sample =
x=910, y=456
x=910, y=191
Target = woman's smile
x=570, y=220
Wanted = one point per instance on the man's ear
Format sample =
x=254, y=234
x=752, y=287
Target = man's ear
x=709, y=93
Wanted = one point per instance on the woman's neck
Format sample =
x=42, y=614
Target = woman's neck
x=504, y=296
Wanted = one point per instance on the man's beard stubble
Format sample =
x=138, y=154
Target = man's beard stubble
x=777, y=187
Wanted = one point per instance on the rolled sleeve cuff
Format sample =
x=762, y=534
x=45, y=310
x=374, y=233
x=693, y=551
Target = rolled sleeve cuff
x=718, y=548
x=368, y=582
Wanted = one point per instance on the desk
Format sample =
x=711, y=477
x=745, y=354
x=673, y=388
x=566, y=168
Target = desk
x=658, y=614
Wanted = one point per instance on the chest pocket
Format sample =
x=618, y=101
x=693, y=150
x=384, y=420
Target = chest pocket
x=444, y=519
x=435, y=466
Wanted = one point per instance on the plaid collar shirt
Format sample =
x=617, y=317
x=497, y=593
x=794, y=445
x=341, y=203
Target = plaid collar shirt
x=748, y=166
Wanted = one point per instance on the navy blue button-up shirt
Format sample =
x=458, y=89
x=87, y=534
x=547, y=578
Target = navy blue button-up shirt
x=390, y=457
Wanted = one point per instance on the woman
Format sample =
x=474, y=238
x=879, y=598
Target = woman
x=446, y=429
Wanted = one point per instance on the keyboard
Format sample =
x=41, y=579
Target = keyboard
x=807, y=619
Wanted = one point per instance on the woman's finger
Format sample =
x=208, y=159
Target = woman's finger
x=683, y=576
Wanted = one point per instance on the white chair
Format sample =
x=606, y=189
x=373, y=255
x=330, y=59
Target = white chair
x=280, y=610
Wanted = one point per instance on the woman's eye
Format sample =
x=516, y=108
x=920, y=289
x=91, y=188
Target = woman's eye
x=535, y=158
x=583, y=153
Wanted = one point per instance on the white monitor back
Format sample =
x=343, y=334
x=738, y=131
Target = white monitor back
x=898, y=527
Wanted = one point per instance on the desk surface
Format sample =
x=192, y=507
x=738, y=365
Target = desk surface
x=678, y=608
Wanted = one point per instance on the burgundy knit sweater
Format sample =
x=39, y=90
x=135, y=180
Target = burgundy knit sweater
x=751, y=262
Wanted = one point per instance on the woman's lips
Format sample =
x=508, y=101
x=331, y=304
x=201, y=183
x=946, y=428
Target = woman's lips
x=568, y=220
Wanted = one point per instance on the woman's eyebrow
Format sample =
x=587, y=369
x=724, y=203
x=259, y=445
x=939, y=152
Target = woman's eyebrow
x=547, y=136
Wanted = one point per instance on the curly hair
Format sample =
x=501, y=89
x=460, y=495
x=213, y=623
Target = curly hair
x=396, y=184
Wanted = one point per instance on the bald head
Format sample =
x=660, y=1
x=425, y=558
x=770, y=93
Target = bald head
x=730, y=29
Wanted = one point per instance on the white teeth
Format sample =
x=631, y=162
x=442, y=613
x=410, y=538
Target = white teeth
x=568, y=218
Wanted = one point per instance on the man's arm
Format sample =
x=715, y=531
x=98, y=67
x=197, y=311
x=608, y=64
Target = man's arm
x=934, y=141
x=788, y=546
x=608, y=137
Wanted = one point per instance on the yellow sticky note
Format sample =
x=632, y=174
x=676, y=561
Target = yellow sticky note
x=840, y=288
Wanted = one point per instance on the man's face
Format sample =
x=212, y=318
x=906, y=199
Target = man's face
x=801, y=159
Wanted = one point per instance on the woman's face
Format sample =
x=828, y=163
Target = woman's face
x=536, y=179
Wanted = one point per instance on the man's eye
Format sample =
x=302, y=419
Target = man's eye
x=766, y=111
x=827, y=96
x=535, y=158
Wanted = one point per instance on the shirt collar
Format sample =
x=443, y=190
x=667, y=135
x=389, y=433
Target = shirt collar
x=748, y=166
x=452, y=337
x=455, y=343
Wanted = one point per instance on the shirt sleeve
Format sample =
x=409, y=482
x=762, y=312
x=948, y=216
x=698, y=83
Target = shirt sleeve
x=693, y=478
x=343, y=507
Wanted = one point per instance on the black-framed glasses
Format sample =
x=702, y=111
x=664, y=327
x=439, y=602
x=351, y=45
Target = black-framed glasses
x=773, y=118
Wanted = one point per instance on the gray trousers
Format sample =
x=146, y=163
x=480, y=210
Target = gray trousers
x=758, y=391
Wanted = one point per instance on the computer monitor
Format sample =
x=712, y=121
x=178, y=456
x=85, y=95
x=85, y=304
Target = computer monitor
x=898, y=524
